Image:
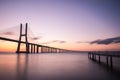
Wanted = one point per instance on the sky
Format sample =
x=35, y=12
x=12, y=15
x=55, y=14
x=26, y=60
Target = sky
x=84, y=25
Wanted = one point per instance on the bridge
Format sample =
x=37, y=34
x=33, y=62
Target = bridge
x=32, y=47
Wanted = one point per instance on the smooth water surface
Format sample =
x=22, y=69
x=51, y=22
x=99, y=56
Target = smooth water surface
x=52, y=66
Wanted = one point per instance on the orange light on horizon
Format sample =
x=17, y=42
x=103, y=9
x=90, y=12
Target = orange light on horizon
x=6, y=46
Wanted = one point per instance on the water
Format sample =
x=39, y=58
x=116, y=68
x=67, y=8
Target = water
x=60, y=66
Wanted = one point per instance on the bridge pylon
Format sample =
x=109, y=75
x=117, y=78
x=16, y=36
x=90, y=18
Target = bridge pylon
x=26, y=40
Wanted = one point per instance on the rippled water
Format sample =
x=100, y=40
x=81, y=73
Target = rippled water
x=60, y=66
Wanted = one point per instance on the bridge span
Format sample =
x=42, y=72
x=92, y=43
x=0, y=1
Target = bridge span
x=32, y=47
x=35, y=47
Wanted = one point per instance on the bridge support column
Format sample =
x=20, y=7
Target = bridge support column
x=41, y=49
x=50, y=50
x=26, y=41
x=34, y=48
x=31, y=48
x=46, y=49
x=55, y=50
x=37, y=49
x=60, y=50
x=28, y=48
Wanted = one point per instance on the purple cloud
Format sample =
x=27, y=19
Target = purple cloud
x=54, y=41
x=36, y=38
x=62, y=41
x=8, y=33
x=106, y=41
x=82, y=42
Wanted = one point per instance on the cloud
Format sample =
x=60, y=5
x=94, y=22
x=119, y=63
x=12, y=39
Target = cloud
x=55, y=41
x=106, y=41
x=58, y=41
x=36, y=38
x=8, y=33
x=82, y=42
x=62, y=41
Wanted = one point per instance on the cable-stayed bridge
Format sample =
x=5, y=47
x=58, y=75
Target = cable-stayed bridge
x=30, y=46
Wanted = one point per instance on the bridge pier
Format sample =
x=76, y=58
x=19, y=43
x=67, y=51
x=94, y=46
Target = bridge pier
x=52, y=50
x=26, y=41
x=58, y=50
x=49, y=50
x=43, y=50
x=34, y=48
x=28, y=49
x=31, y=48
x=55, y=50
x=37, y=48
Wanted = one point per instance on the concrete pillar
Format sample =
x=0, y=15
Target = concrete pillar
x=55, y=50
x=37, y=49
x=44, y=49
x=48, y=50
x=59, y=51
x=41, y=49
x=31, y=48
x=107, y=60
x=34, y=48
x=111, y=65
x=51, y=50
x=28, y=48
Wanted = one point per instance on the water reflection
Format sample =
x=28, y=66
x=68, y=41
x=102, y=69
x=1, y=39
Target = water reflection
x=51, y=67
x=22, y=69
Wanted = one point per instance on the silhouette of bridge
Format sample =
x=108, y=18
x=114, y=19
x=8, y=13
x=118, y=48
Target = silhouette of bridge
x=34, y=47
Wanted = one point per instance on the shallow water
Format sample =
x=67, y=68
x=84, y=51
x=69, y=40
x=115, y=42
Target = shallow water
x=52, y=66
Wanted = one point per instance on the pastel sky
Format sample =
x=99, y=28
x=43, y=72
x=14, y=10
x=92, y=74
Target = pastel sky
x=68, y=24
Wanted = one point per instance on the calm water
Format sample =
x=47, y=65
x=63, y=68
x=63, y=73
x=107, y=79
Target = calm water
x=60, y=66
